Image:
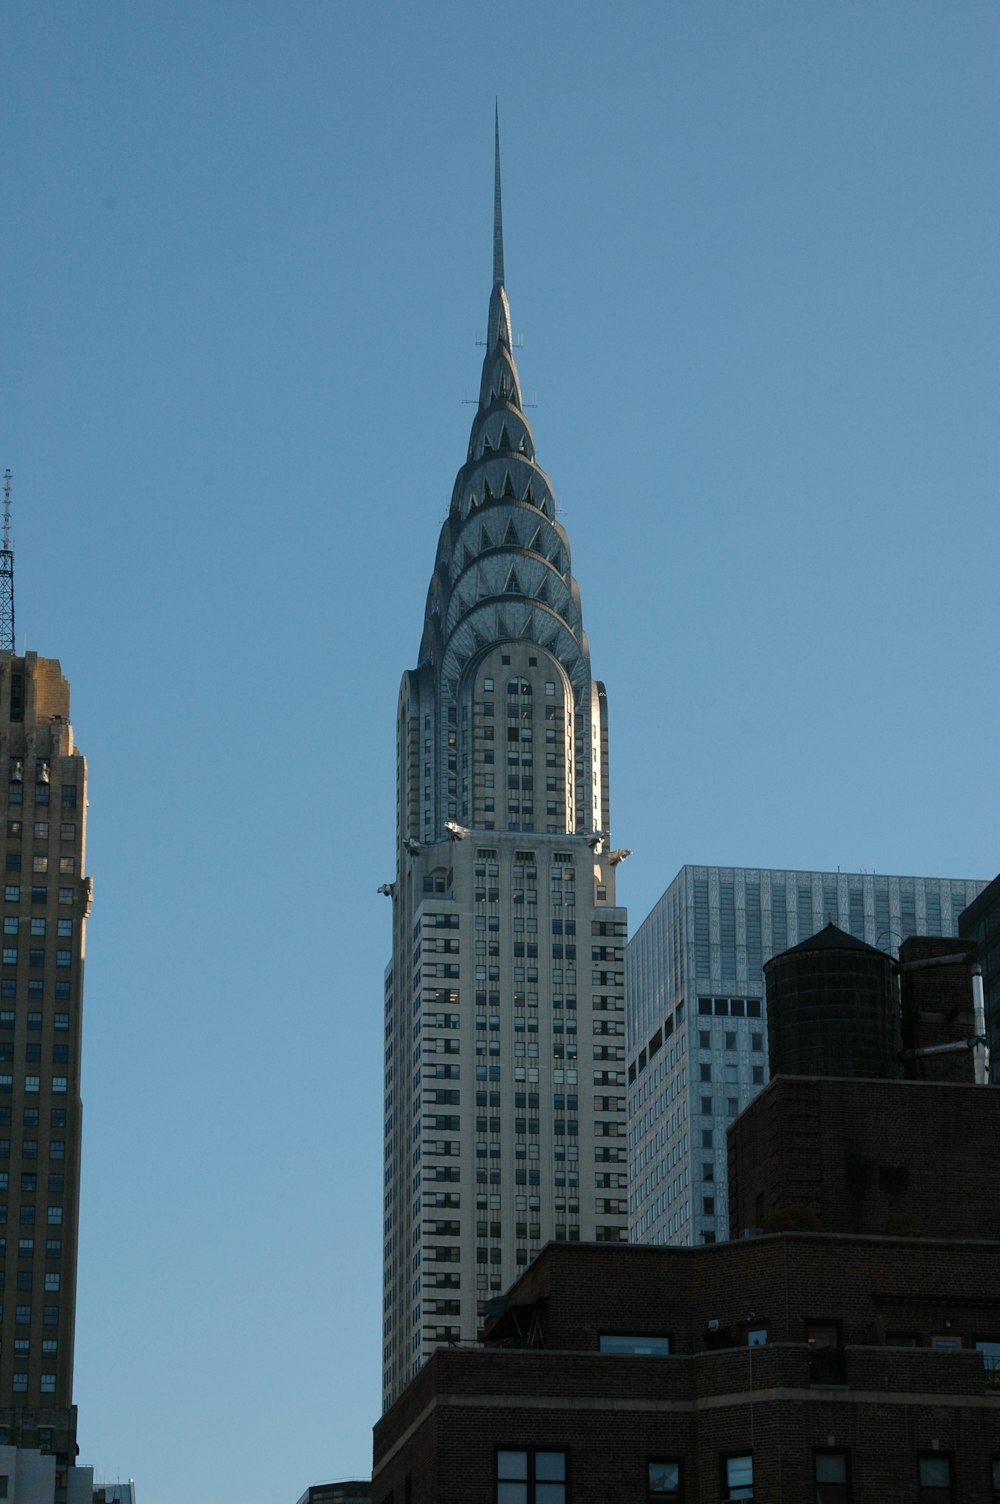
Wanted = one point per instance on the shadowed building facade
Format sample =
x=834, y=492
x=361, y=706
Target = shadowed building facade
x=46, y=903
x=504, y=1021
x=981, y=922
x=697, y=1020
x=787, y=1368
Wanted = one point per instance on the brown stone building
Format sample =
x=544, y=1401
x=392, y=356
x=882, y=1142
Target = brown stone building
x=791, y=1367
x=46, y=900
x=867, y=1157
x=857, y=1361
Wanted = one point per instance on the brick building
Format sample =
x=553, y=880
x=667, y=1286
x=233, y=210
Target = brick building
x=868, y=1157
x=858, y=1361
x=793, y=1366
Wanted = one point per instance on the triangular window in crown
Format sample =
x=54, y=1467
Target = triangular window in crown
x=487, y=446
x=504, y=440
x=487, y=492
x=529, y=494
x=528, y=629
x=513, y=585
x=510, y=538
x=508, y=489
x=485, y=541
x=542, y=593
x=536, y=541
x=467, y=556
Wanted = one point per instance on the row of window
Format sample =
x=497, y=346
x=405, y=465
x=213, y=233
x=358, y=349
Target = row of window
x=29, y=1181
x=19, y=1383
x=67, y=864
x=12, y=891
x=36, y=956
x=22, y=1350
x=22, y=1314
x=36, y=925
x=33, y=1053
x=29, y=1148
x=40, y=830
x=15, y=793
x=32, y=1084
x=31, y=1118
x=50, y=1313
x=527, y=895
x=26, y=1249
x=54, y=1215
x=730, y=1007
x=34, y=1020
x=730, y=1074
x=536, y=1475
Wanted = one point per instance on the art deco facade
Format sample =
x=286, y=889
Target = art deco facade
x=697, y=1028
x=504, y=1022
x=46, y=903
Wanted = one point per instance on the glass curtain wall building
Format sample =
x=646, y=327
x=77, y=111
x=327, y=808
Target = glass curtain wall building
x=696, y=1025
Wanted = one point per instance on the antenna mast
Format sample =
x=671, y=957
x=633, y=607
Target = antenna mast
x=6, y=575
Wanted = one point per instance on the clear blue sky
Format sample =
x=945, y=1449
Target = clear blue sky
x=752, y=251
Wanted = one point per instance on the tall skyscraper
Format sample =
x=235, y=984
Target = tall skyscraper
x=697, y=1030
x=504, y=1021
x=46, y=903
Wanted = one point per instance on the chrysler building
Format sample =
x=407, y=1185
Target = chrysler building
x=504, y=1021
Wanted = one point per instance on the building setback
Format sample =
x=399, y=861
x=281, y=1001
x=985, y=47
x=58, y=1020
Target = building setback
x=504, y=1012
x=46, y=903
x=696, y=1019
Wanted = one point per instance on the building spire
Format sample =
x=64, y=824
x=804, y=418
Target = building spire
x=6, y=574
x=497, y=209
